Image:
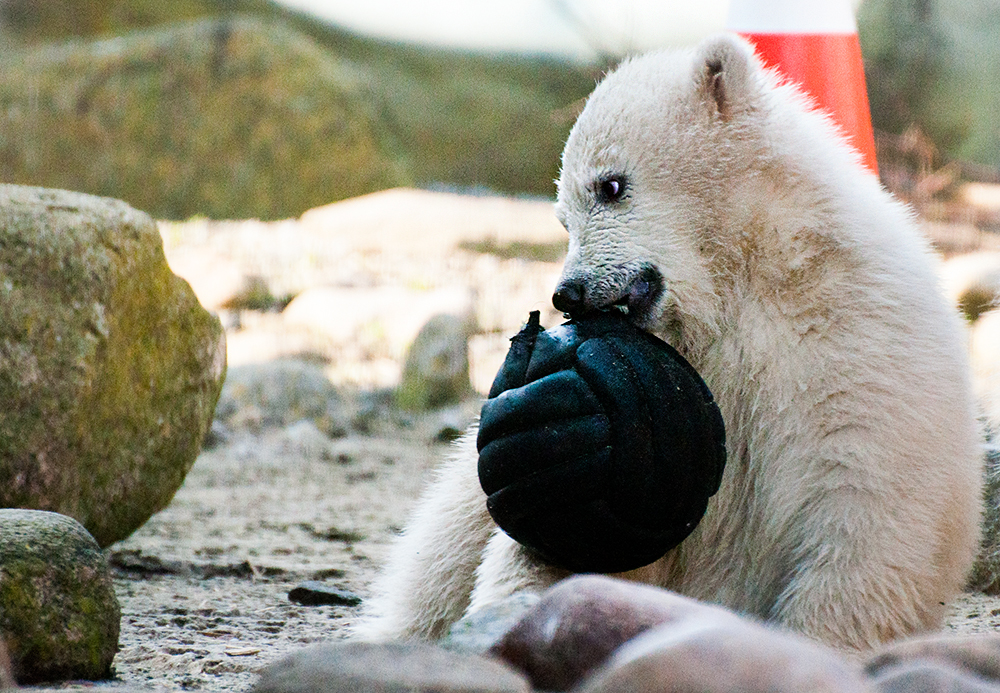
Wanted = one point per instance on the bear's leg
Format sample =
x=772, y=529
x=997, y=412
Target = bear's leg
x=430, y=572
x=508, y=567
x=857, y=583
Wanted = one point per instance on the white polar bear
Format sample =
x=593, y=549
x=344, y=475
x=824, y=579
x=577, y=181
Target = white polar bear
x=805, y=296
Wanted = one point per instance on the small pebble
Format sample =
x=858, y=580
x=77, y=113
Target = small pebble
x=313, y=593
x=477, y=632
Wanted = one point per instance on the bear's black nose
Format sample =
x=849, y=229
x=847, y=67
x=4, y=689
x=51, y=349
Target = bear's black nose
x=568, y=297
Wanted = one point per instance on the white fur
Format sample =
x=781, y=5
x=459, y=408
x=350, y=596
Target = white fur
x=806, y=298
x=984, y=347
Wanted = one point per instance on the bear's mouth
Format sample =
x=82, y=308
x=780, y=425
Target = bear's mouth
x=635, y=289
x=641, y=295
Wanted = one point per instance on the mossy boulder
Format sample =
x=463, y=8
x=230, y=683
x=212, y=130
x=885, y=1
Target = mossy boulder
x=436, y=371
x=110, y=369
x=59, y=615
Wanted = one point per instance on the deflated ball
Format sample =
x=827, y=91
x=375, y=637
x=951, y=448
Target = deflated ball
x=599, y=445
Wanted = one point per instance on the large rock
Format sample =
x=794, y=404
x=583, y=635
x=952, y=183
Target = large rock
x=215, y=117
x=109, y=367
x=58, y=612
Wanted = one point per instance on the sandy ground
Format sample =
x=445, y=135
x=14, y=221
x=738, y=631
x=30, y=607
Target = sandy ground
x=264, y=513
x=204, y=584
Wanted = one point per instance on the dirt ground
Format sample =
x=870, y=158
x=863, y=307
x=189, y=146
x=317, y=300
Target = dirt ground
x=256, y=517
x=204, y=584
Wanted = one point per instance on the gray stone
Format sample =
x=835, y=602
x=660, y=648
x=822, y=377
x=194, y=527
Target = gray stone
x=411, y=667
x=58, y=612
x=109, y=367
x=929, y=677
x=305, y=439
x=977, y=654
x=281, y=393
x=436, y=371
x=477, y=632
x=581, y=621
x=709, y=653
x=315, y=593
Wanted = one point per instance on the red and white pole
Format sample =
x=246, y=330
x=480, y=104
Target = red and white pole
x=816, y=45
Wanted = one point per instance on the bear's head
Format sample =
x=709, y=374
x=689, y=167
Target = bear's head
x=675, y=160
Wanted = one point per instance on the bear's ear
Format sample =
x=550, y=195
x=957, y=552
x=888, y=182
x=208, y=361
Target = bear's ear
x=724, y=67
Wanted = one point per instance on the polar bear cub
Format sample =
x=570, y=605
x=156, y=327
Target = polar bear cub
x=704, y=197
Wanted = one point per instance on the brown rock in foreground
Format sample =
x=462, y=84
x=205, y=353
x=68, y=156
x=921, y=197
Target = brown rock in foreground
x=109, y=367
x=930, y=677
x=581, y=621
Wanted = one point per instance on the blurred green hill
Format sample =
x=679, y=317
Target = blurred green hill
x=245, y=109
x=936, y=64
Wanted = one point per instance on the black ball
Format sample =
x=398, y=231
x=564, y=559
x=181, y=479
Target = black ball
x=599, y=445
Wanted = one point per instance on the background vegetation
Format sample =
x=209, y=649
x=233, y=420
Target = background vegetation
x=935, y=64
x=255, y=111
x=242, y=108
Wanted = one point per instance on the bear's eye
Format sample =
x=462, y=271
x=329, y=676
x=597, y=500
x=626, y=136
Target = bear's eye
x=610, y=189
